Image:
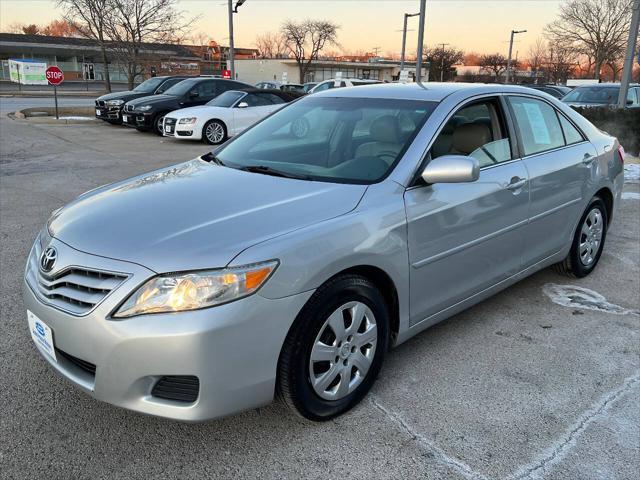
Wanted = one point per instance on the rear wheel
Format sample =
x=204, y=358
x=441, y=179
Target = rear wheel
x=588, y=242
x=214, y=132
x=335, y=349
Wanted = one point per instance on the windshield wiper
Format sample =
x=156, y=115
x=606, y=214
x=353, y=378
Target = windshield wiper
x=211, y=158
x=272, y=171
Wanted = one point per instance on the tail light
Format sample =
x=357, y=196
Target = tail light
x=621, y=154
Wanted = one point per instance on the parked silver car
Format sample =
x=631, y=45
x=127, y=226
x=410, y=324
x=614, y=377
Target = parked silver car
x=288, y=260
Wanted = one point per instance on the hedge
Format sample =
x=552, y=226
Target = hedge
x=621, y=123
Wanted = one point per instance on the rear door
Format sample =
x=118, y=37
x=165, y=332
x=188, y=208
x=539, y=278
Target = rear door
x=558, y=160
x=466, y=237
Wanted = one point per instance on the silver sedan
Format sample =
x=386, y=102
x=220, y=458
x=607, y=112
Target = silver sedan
x=290, y=259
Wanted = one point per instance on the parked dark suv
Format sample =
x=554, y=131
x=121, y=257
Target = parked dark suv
x=109, y=106
x=147, y=113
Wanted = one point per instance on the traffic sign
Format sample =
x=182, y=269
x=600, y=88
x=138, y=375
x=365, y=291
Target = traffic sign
x=226, y=73
x=54, y=75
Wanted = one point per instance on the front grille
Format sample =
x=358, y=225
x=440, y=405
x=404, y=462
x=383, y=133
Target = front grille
x=169, y=123
x=180, y=388
x=83, y=365
x=75, y=290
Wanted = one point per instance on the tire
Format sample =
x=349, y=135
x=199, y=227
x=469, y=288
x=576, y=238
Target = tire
x=214, y=132
x=588, y=242
x=350, y=295
x=157, y=124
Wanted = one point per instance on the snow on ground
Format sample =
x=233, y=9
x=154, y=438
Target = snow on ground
x=76, y=118
x=631, y=195
x=632, y=172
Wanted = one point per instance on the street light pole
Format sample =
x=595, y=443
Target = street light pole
x=442, y=63
x=404, y=37
x=232, y=52
x=423, y=6
x=513, y=33
x=628, y=59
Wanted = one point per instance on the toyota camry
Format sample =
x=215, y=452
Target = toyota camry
x=288, y=261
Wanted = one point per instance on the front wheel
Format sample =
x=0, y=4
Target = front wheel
x=588, y=242
x=214, y=132
x=158, y=124
x=335, y=349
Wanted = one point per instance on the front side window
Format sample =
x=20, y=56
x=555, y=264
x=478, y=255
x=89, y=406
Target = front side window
x=168, y=84
x=181, y=88
x=345, y=140
x=149, y=86
x=478, y=131
x=538, y=125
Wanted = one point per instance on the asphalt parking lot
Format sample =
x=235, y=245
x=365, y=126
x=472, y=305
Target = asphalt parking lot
x=540, y=381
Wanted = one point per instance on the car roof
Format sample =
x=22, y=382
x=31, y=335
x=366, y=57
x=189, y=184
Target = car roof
x=606, y=85
x=432, y=91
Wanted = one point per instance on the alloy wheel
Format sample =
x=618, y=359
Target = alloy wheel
x=343, y=351
x=591, y=237
x=214, y=132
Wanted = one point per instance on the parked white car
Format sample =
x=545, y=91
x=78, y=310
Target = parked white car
x=225, y=116
x=344, y=82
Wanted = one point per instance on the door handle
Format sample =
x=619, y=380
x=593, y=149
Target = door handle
x=516, y=183
x=588, y=158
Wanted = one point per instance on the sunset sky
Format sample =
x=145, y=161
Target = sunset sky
x=472, y=25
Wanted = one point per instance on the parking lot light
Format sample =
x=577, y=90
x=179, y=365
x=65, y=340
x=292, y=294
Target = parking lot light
x=513, y=33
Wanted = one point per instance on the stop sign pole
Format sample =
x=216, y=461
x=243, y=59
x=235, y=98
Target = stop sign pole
x=55, y=77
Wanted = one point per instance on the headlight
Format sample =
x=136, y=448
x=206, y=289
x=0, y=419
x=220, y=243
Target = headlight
x=193, y=290
x=144, y=108
x=114, y=103
x=187, y=121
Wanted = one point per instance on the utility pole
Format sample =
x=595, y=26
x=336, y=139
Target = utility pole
x=375, y=51
x=442, y=63
x=628, y=59
x=232, y=52
x=404, y=37
x=513, y=33
x=423, y=7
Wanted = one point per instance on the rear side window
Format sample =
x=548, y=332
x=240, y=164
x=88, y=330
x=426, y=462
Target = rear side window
x=538, y=125
x=571, y=133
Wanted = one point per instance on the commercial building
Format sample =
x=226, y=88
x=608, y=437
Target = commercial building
x=257, y=70
x=81, y=58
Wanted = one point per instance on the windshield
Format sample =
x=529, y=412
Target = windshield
x=149, y=86
x=606, y=95
x=181, y=88
x=344, y=140
x=226, y=100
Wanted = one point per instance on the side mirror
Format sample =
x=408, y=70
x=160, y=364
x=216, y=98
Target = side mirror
x=452, y=169
x=194, y=94
x=243, y=105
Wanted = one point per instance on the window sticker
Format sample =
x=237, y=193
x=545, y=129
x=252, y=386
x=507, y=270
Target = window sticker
x=537, y=123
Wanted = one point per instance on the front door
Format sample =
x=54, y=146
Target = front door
x=466, y=237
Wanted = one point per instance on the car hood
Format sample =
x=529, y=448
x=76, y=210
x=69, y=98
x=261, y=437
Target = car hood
x=196, y=111
x=127, y=95
x=153, y=99
x=195, y=215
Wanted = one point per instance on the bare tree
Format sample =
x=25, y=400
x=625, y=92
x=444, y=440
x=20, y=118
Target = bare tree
x=135, y=22
x=201, y=40
x=596, y=28
x=89, y=18
x=15, y=27
x=60, y=28
x=442, y=61
x=536, y=55
x=495, y=63
x=272, y=45
x=306, y=39
x=561, y=61
x=31, y=29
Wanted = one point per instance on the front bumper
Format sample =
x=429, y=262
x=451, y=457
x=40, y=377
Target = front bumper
x=233, y=349
x=141, y=120
x=109, y=113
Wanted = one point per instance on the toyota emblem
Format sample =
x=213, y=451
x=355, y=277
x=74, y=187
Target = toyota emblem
x=48, y=259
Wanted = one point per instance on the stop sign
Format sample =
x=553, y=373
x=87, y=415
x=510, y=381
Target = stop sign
x=54, y=75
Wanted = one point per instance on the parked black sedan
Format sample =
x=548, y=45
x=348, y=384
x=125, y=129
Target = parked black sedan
x=109, y=106
x=557, y=91
x=147, y=113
